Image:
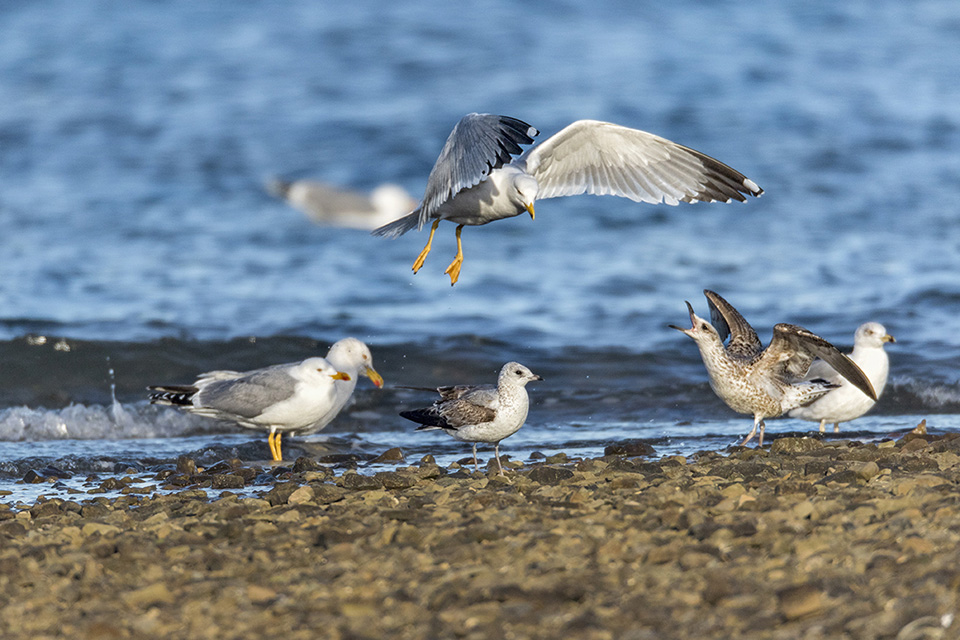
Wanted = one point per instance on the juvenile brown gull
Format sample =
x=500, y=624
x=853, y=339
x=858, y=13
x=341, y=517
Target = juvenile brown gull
x=847, y=402
x=764, y=382
x=479, y=413
x=476, y=179
x=299, y=397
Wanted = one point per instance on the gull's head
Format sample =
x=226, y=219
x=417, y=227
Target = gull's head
x=516, y=373
x=354, y=356
x=700, y=329
x=526, y=190
x=873, y=335
x=313, y=366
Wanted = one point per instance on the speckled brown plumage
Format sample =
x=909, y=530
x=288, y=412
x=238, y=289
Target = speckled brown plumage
x=764, y=382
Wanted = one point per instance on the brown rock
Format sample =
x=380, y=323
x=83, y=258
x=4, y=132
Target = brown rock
x=799, y=601
x=629, y=448
x=795, y=445
x=390, y=455
x=358, y=482
x=157, y=593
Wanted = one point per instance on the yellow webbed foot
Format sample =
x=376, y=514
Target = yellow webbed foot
x=454, y=269
x=423, y=254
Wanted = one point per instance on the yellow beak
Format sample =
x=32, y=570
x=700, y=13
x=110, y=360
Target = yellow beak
x=529, y=208
x=375, y=377
x=888, y=338
x=340, y=375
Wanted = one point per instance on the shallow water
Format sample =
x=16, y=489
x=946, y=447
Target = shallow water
x=140, y=246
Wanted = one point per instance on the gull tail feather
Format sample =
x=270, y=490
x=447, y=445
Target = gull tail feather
x=400, y=226
x=173, y=395
x=428, y=418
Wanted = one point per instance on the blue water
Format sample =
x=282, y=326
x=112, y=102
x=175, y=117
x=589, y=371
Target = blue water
x=139, y=245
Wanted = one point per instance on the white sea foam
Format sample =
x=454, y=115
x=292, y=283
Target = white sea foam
x=116, y=421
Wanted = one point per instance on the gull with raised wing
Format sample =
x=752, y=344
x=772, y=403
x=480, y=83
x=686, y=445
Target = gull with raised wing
x=764, y=382
x=479, y=413
x=848, y=402
x=476, y=179
x=297, y=398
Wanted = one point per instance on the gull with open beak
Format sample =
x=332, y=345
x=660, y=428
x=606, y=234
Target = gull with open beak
x=764, y=382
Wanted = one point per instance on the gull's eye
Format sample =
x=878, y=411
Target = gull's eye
x=518, y=372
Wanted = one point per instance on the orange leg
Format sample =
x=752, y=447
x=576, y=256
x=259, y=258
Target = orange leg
x=274, y=441
x=423, y=254
x=454, y=269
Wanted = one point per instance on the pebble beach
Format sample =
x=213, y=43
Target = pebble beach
x=806, y=539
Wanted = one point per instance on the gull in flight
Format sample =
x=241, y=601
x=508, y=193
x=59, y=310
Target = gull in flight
x=479, y=413
x=332, y=206
x=848, y=402
x=765, y=382
x=477, y=180
x=299, y=397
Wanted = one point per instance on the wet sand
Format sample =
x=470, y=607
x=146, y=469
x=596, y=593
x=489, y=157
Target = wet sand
x=806, y=539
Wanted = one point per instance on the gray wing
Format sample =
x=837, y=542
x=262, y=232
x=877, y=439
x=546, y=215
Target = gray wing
x=325, y=200
x=213, y=376
x=793, y=349
x=319, y=198
x=744, y=341
x=250, y=395
x=602, y=158
x=479, y=143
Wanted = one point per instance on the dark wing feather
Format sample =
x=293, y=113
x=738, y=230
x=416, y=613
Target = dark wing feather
x=479, y=143
x=744, y=341
x=448, y=392
x=428, y=417
x=794, y=349
x=173, y=395
x=466, y=405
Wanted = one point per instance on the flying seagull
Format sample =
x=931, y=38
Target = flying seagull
x=479, y=413
x=336, y=207
x=848, y=402
x=476, y=179
x=764, y=382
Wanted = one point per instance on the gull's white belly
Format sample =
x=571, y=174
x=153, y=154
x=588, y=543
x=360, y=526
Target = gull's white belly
x=488, y=201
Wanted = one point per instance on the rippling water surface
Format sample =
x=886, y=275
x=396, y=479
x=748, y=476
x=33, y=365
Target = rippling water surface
x=139, y=245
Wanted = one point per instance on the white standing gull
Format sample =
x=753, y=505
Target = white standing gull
x=764, y=382
x=476, y=179
x=848, y=402
x=351, y=356
x=298, y=398
x=333, y=206
x=480, y=413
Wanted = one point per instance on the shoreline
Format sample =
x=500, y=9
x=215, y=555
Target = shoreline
x=808, y=538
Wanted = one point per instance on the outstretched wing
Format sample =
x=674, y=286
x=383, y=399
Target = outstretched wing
x=602, y=158
x=744, y=342
x=793, y=349
x=479, y=143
